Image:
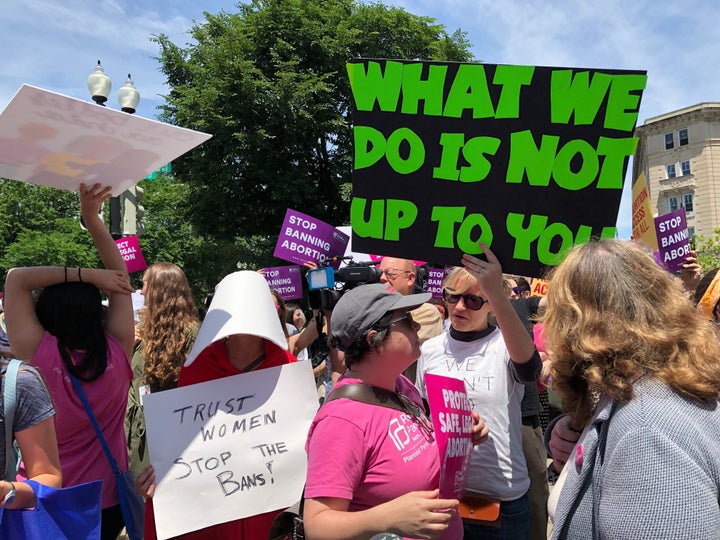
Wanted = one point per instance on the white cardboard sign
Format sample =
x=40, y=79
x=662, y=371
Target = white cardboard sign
x=230, y=448
x=55, y=140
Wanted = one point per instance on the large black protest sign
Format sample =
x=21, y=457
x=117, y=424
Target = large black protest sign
x=529, y=160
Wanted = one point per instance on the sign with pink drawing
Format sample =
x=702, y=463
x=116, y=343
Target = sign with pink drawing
x=55, y=140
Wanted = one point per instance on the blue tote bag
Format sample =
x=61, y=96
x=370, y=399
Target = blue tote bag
x=70, y=513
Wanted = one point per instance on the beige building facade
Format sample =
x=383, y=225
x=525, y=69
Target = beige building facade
x=679, y=152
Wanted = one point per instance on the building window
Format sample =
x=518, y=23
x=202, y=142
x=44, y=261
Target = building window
x=685, y=167
x=669, y=144
x=672, y=204
x=688, y=202
x=691, y=232
x=670, y=169
x=682, y=137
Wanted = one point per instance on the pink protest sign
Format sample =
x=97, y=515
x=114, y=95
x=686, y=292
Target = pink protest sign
x=130, y=250
x=304, y=238
x=451, y=413
x=673, y=240
x=287, y=280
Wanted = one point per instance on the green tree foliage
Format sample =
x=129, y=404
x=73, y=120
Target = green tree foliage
x=269, y=83
x=708, y=250
x=41, y=226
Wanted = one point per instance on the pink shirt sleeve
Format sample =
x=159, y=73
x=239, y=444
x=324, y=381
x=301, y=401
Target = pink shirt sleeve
x=336, y=458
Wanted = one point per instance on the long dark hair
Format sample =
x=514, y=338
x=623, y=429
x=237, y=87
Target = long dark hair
x=73, y=313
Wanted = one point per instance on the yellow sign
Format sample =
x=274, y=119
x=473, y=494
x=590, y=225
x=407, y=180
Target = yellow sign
x=643, y=226
x=538, y=287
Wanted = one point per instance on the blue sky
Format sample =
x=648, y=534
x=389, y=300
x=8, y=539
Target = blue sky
x=55, y=45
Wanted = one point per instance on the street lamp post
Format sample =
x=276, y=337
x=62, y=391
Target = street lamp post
x=99, y=85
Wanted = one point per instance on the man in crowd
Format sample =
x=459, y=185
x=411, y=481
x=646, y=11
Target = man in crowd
x=401, y=275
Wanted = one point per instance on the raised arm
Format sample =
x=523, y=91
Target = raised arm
x=489, y=276
x=120, y=322
x=23, y=327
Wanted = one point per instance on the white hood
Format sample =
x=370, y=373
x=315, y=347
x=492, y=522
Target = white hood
x=242, y=304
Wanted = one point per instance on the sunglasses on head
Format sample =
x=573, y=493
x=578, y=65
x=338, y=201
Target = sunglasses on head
x=471, y=301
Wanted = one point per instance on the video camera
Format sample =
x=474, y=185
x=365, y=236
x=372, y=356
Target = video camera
x=327, y=285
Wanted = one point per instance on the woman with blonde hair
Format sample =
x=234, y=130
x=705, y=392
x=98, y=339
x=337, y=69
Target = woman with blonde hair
x=495, y=362
x=168, y=326
x=635, y=363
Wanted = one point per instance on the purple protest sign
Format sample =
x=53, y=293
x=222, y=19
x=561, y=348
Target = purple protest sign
x=434, y=282
x=451, y=413
x=673, y=239
x=304, y=238
x=130, y=250
x=287, y=280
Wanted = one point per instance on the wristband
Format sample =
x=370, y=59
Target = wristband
x=9, y=496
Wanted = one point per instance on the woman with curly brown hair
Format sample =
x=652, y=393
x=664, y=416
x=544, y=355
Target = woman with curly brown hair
x=640, y=369
x=168, y=326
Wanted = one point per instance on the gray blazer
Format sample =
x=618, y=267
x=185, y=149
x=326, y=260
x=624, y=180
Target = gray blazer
x=647, y=469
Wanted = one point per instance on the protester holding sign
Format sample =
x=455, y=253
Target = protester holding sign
x=168, y=325
x=494, y=363
x=373, y=465
x=647, y=385
x=241, y=333
x=66, y=333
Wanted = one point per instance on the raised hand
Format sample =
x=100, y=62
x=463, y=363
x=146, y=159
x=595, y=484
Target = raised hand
x=487, y=273
x=92, y=198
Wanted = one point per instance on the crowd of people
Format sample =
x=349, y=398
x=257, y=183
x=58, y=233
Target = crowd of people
x=630, y=352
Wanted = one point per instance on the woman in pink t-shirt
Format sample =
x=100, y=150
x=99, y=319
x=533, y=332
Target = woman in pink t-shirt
x=66, y=332
x=372, y=468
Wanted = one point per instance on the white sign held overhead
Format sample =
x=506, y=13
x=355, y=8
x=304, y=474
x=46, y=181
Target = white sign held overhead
x=55, y=140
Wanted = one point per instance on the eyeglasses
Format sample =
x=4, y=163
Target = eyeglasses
x=517, y=290
x=393, y=273
x=471, y=301
x=406, y=317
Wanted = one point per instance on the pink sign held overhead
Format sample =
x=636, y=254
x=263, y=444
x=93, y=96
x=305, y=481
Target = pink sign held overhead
x=287, y=280
x=451, y=412
x=132, y=255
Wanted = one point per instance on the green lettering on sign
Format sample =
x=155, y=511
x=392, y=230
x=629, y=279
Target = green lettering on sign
x=446, y=217
x=469, y=90
x=451, y=144
x=416, y=154
x=430, y=91
x=512, y=79
x=465, y=241
x=373, y=226
x=401, y=215
x=524, y=236
x=527, y=158
x=474, y=152
x=616, y=152
x=369, y=146
x=373, y=85
x=574, y=94
x=564, y=175
x=621, y=100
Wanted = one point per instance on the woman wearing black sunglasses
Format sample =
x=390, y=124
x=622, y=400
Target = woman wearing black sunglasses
x=494, y=363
